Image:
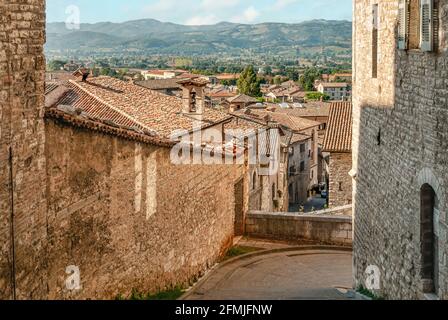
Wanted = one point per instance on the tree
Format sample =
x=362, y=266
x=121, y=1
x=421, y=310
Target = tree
x=268, y=70
x=56, y=65
x=309, y=77
x=248, y=83
x=317, y=96
x=278, y=80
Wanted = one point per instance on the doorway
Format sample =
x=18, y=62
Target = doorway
x=429, y=240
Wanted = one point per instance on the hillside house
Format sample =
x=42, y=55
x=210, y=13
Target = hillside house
x=338, y=91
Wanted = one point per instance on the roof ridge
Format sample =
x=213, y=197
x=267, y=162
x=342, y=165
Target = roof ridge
x=129, y=117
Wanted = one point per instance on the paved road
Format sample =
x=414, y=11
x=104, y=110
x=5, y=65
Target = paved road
x=293, y=275
x=315, y=203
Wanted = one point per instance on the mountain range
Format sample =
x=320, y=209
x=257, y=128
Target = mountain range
x=150, y=35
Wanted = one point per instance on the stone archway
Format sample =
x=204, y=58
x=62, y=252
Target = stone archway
x=431, y=198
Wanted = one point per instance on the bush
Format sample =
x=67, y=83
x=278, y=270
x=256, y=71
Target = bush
x=316, y=96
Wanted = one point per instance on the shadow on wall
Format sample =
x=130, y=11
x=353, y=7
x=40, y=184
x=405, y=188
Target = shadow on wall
x=372, y=139
x=394, y=144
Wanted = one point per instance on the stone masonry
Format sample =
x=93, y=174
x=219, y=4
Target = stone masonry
x=400, y=139
x=340, y=182
x=128, y=218
x=22, y=161
x=78, y=198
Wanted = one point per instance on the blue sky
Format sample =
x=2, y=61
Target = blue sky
x=198, y=12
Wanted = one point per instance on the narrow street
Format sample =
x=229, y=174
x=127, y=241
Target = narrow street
x=290, y=275
x=315, y=203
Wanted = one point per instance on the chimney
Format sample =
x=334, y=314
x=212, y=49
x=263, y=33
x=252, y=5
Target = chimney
x=82, y=74
x=193, y=95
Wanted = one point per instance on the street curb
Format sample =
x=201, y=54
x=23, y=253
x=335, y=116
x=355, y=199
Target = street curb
x=220, y=265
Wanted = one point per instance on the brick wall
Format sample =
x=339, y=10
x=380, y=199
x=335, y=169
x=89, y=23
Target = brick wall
x=340, y=182
x=399, y=144
x=22, y=67
x=128, y=218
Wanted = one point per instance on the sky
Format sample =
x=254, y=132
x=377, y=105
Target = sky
x=199, y=12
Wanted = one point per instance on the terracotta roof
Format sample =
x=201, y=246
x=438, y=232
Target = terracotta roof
x=242, y=98
x=310, y=109
x=129, y=105
x=188, y=75
x=294, y=123
x=158, y=72
x=221, y=94
x=162, y=84
x=70, y=117
x=227, y=76
x=334, y=84
x=294, y=90
x=338, y=137
x=245, y=125
x=299, y=137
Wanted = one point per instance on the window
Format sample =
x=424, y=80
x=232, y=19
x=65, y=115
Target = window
x=416, y=25
x=254, y=181
x=302, y=166
x=302, y=148
x=274, y=189
x=193, y=101
x=375, y=25
x=428, y=240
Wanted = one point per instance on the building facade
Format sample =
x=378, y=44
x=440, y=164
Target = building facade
x=338, y=143
x=300, y=171
x=399, y=147
x=90, y=202
x=335, y=90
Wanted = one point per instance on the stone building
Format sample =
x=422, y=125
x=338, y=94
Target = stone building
x=299, y=166
x=239, y=102
x=88, y=188
x=300, y=171
x=338, y=143
x=166, y=86
x=335, y=90
x=399, y=146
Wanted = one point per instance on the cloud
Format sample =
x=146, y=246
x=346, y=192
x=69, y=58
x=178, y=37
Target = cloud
x=249, y=15
x=202, y=20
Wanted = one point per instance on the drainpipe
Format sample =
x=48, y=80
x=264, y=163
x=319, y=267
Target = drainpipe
x=12, y=231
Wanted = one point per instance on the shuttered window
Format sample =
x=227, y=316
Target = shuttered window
x=426, y=10
x=416, y=25
x=375, y=27
x=403, y=24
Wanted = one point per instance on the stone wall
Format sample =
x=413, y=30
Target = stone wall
x=22, y=162
x=128, y=218
x=399, y=144
x=331, y=227
x=340, y=182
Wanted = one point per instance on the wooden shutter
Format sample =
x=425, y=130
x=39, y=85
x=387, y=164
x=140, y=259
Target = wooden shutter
x=426, y=27
x=403, y=24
